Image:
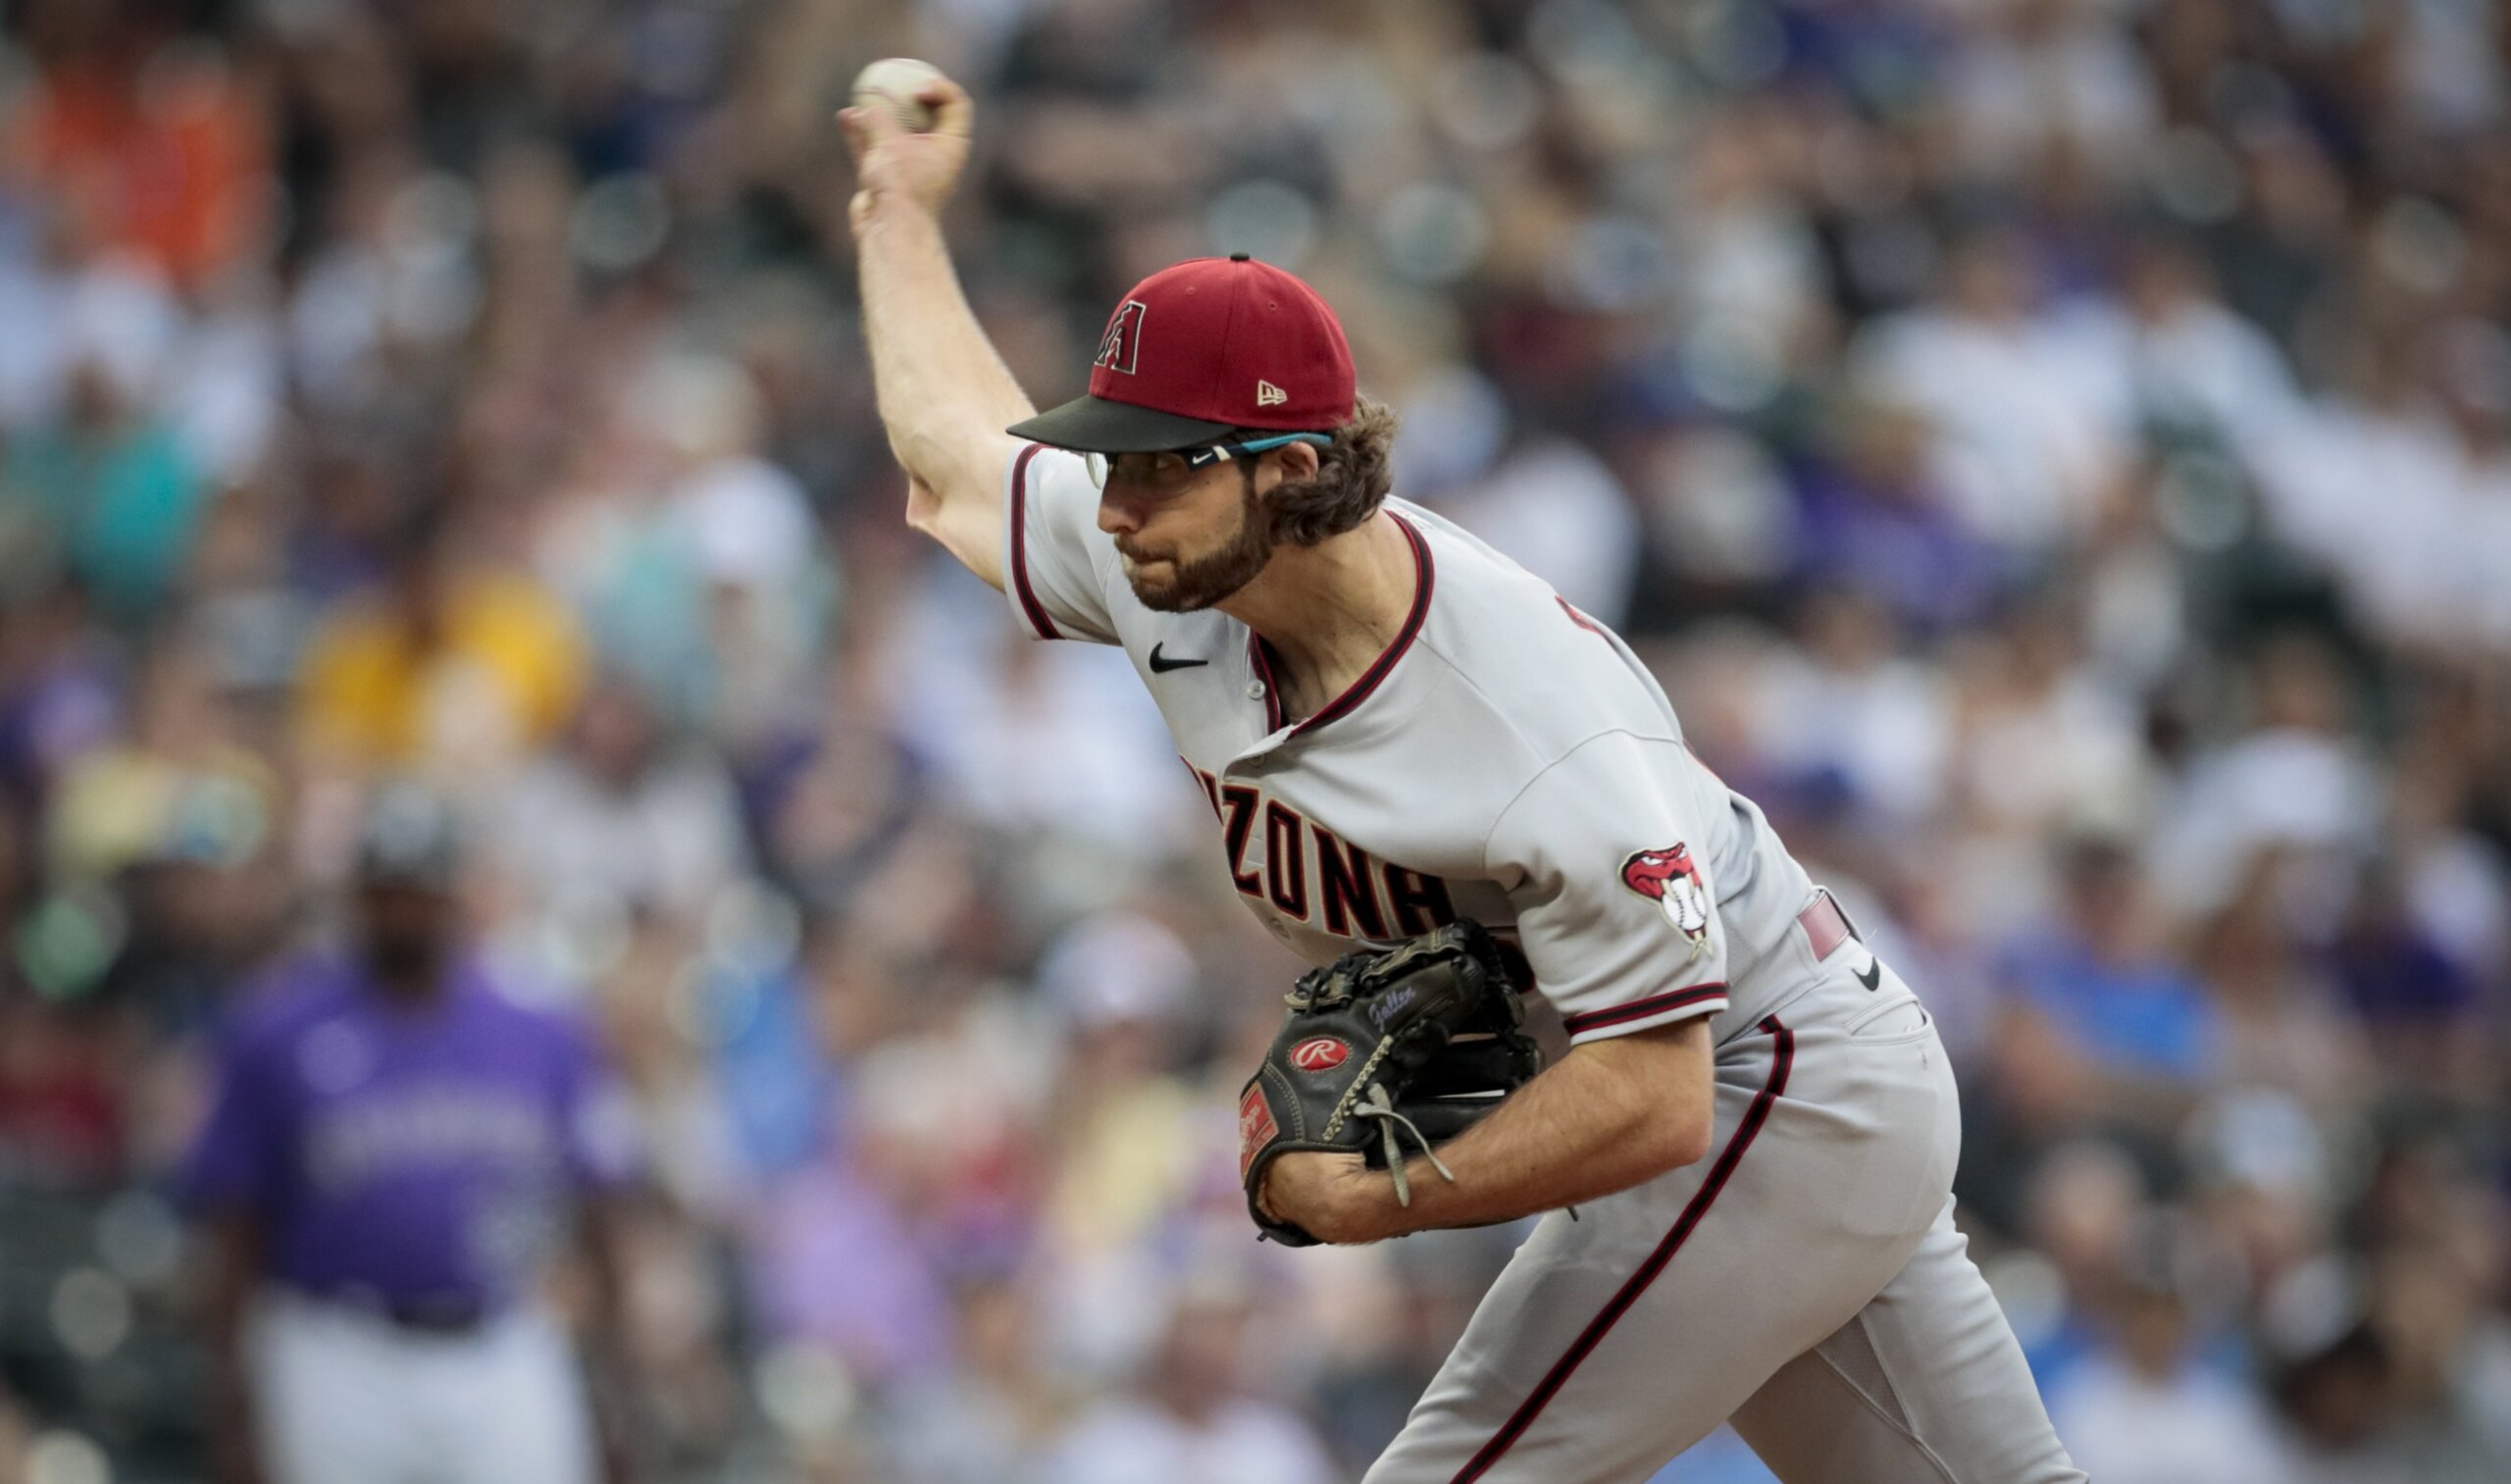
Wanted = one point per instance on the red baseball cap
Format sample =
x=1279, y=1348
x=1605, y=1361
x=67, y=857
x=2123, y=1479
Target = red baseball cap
x=1201, y=350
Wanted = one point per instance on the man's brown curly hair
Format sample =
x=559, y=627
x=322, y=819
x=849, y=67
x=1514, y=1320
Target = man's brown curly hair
x=1353, y=475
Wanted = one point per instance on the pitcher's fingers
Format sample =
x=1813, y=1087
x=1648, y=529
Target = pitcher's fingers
x=869, y=126
x=954, y=111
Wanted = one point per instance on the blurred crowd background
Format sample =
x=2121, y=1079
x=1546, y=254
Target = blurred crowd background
x=2056, y=452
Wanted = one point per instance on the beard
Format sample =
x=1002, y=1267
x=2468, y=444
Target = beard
x=1191, y=586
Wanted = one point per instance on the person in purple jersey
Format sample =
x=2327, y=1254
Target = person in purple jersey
x=395, y=1152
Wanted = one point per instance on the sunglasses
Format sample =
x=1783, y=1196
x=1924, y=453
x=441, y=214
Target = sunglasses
x=1170, y=468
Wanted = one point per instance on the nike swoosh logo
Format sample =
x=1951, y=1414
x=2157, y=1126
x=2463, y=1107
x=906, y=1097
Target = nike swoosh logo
x=1161, y=665
x=1873, y=978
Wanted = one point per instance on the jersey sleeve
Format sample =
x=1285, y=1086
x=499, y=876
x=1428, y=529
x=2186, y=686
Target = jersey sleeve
x=1056, y=559
x=1604, y=861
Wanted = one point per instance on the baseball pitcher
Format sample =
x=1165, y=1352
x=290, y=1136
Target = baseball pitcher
x=1446, y=787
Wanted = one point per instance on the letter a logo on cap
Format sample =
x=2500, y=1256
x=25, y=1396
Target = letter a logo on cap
x=1269, y=395
x=1122, y=343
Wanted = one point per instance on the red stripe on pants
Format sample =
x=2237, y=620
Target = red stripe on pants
x=1781, y=1057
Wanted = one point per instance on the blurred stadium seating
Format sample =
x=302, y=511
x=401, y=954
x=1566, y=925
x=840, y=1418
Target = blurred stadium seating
x=2056, y=452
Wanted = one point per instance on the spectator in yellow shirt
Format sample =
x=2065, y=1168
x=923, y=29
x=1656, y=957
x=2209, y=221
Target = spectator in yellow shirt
x=453, y=663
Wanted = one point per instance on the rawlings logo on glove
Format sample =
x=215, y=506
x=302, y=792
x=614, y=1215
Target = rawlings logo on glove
x=1422, y=1040
x=1319, y=1054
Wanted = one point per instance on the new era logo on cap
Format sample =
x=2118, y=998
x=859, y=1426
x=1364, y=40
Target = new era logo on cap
x=1269, y=395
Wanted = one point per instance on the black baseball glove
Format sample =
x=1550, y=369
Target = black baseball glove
x=1424, y=1040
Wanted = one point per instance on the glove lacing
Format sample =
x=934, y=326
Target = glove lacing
x=1325, y=988
x=1379, y=1107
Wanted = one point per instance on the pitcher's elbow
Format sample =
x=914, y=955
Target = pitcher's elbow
x=1684, y=1130
x=1691, y=1142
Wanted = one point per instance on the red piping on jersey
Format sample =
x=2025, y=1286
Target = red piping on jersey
x=1425, y=578
x=1579, y=618
x=1782, y=1056
x=1262, y=659
x=1029, y=604
x=1641, y=1009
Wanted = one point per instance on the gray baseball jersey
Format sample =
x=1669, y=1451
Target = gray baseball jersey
x=1506, y=759
x=1509, y=760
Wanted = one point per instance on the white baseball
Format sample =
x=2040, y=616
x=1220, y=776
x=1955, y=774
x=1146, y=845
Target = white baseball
x=893, y=83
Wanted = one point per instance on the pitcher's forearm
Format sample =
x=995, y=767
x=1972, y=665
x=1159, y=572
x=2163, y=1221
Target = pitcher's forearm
x=945, y=394
x=1608, y=1116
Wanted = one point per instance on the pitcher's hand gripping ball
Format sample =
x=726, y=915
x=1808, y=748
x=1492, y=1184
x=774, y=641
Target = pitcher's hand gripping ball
x=1423, y=1040
x=895, y=83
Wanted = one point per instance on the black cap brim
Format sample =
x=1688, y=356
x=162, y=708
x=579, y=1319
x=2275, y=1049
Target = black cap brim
x=1095, y=424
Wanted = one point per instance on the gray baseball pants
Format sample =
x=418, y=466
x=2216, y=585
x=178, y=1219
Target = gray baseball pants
x=1805, y=1281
